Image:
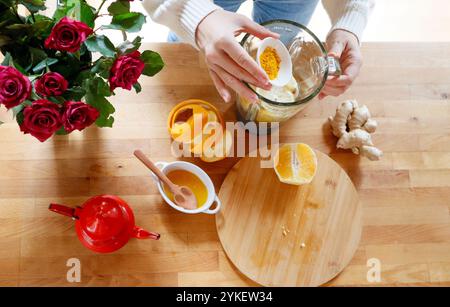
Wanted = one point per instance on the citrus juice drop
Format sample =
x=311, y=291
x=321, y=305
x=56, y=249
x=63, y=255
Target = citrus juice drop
x=190, y=180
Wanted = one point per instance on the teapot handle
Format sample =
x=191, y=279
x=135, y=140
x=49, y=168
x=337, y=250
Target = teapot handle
x=64, y=210
x=140, y=233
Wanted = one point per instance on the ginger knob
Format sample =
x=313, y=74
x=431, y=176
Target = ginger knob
x=353, y=124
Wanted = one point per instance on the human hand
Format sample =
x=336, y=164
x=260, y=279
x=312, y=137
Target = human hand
x=343, y=45
x=228, y=63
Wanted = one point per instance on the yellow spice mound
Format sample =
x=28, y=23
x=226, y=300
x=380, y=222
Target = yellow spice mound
x=295, y=164
x=270, y=62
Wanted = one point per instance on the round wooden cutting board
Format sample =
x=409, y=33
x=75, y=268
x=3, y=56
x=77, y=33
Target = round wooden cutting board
x=285, y=235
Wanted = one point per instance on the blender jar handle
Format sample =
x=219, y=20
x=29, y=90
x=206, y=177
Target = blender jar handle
x=334, y=67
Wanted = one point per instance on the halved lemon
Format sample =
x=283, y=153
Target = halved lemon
x=295, y=163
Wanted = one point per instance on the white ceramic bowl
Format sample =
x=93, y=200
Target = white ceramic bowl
x=285, y=72
x=166, y=167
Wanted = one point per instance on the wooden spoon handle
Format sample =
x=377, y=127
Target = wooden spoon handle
x=146, y=161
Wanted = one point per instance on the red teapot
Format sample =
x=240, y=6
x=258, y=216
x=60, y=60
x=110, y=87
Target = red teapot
x=104, y=223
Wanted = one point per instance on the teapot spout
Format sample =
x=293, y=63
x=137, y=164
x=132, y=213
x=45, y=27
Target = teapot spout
x=140, y=233
x=64, y=210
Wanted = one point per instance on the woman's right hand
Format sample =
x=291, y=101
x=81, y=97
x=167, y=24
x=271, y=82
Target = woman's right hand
x=228, y=63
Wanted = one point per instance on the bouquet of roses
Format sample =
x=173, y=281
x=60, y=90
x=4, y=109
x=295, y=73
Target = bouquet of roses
x=49, y=77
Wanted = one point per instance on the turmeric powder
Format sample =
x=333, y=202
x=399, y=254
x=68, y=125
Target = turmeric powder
x=270, y=62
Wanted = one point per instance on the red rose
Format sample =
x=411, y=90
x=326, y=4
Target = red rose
x=14, y=87
x=126, y=70
x=68, y=35
x=41, y=119
x=51, y=84
x=78, y=115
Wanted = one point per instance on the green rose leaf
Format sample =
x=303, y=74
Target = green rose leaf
x=57, y=100
x=7, y=61
x=98, y=86
x=33, y=6
x=119, y=7
x=36, y=56
x=153, y=62
x=1, y=123
x=75, y=93
x=5, y=40
x=19, y=118
x=81, y=11
x=130, y=22
x=128, y=47
x=105, y=108
x=102, y=44
x=44, y=64
x=61, y=131
x=137, y=87
x=102, y=67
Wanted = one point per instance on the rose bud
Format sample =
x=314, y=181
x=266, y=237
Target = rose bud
x=68, y=35
x=126, y=70
x=51, y=84
x=14, y=87
x=42, y=119
x=78, y=115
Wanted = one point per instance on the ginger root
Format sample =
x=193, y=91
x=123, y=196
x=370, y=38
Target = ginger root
x=353, y=124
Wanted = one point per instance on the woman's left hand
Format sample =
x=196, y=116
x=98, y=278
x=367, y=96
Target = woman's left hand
x=343, y=45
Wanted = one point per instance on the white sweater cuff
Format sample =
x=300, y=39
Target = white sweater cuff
x=354, y=20
x=192, y=14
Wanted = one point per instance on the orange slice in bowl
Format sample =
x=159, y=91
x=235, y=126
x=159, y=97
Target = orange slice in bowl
x=295, y=164
x=217, y=146
x=180, y=111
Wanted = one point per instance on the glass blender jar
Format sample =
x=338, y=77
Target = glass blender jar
x=310, y=68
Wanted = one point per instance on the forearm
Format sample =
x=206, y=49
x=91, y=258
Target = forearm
x=181, y=16
x=349, y=15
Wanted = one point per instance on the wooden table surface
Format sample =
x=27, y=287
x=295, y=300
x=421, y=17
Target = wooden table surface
x=405, y=196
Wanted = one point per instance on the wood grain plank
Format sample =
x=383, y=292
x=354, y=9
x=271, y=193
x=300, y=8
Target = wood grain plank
x=405, y=196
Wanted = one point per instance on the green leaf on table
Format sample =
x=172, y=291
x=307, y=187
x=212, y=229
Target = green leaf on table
x=105, y=108
x=19, y=118
x=137, y=87
x=119, y=7
x=1, y=123
x=153, y=62
x=61, y=131
x=129, y=22
x=44, y=64
x=128, y=47
x=102, y=44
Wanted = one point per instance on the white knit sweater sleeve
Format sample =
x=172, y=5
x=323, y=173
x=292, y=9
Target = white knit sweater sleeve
x=181, y=16
x=350, y=15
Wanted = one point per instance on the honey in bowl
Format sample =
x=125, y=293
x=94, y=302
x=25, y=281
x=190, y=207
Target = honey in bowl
x=185, y=178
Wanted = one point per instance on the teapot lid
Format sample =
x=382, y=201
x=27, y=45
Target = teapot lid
x=105, y=223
